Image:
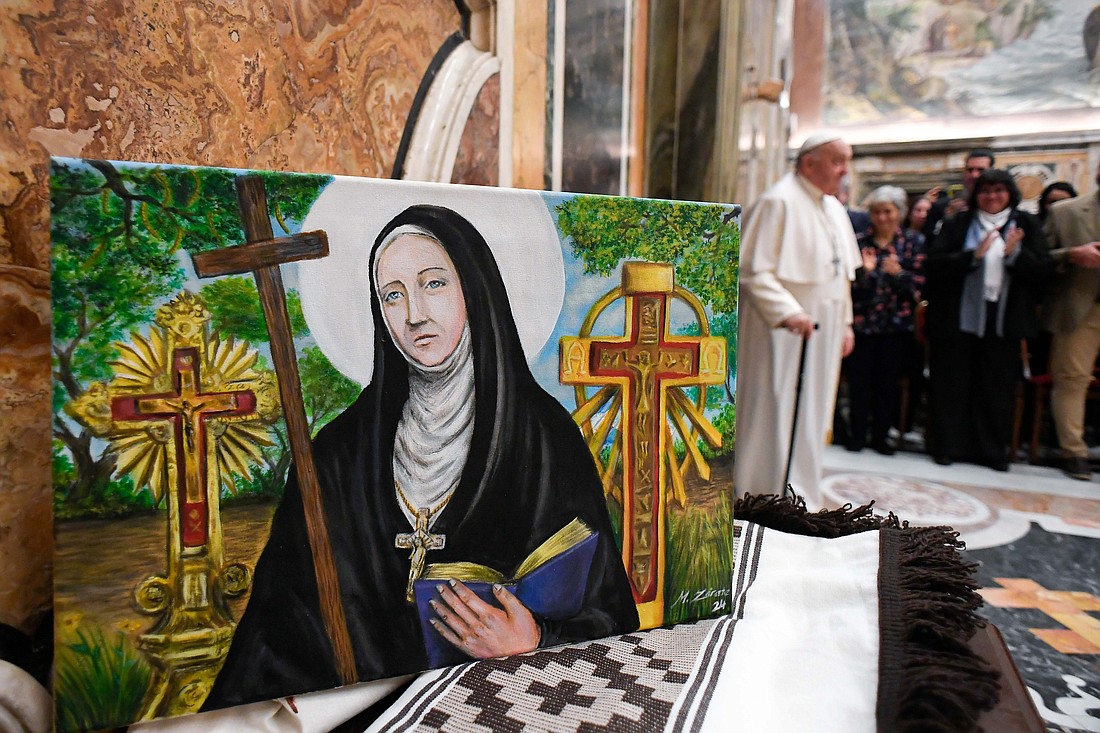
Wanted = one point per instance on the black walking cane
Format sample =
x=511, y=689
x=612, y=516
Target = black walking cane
x=794, y=423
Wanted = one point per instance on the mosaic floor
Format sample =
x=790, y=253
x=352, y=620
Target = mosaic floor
x=1036, y=535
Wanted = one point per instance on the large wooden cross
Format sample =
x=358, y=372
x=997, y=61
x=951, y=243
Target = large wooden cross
x=262, y=256
x=187, y=408
x=645, y=363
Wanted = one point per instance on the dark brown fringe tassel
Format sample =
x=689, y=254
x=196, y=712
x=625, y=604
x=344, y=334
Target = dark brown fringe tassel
x=929, y=678
x=791, y=515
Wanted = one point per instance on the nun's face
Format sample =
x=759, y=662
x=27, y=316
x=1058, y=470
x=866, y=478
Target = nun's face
x=421, y=298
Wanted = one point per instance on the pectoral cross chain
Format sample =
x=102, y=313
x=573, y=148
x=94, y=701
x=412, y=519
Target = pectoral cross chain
x=420, y=540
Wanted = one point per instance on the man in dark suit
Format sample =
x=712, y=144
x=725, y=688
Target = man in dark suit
x=1072, y=314
x=978, y=161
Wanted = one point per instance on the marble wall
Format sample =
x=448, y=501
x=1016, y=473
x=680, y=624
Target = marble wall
x=478, y=158
x=311, y=85
x=26, y=538
x=592, y=126
x=530, y=110
x=307, y=85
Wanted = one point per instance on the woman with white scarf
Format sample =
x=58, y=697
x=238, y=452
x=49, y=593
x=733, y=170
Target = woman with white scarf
x=985, y=275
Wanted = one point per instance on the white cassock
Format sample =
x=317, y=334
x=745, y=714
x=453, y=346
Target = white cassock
x=798, y=254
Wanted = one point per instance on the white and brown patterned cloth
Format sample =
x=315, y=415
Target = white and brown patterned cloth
x=798, y=652
x=803, y=649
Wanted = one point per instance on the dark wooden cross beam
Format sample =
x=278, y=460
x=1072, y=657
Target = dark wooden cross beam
x=262, y=255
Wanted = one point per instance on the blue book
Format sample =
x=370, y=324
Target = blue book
x=550, y=582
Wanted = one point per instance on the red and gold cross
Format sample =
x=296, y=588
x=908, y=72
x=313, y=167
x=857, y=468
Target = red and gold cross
x=642, y=367
x=186, y=414
x=187, y=408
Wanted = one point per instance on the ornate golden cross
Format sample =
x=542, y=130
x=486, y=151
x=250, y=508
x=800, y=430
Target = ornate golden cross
x=645, y=363
x=186, y=413
x=420, y=540
x=187, y=408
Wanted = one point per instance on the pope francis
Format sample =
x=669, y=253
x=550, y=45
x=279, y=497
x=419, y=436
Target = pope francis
x=798, y=259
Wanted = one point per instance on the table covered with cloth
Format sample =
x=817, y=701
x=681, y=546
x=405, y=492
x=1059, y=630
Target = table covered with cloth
x=840, y=621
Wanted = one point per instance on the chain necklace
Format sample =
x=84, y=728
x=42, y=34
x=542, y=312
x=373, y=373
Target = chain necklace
x=416, y=511
x=420, y=540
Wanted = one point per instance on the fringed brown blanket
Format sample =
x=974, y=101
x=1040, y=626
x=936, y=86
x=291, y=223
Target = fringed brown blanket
x=929, y=679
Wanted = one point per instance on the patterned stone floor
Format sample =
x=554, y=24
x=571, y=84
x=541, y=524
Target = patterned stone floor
x=1036, y=535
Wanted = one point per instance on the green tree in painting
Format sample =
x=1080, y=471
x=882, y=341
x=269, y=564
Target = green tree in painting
x=701, y=242
x=118, y=232
x=235, y=305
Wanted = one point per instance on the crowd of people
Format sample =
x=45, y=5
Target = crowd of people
x=943, y=288
x=985, y=272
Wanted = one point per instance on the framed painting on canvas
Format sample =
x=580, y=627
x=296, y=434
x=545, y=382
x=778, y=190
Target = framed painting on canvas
x=314, y=430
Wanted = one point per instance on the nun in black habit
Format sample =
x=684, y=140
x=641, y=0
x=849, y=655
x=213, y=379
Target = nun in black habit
x=453, y=426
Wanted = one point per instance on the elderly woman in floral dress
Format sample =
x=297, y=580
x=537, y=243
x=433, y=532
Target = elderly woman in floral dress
x=884, y=296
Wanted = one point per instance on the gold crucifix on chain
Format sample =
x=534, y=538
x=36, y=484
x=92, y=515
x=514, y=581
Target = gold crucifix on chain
x=420, y=540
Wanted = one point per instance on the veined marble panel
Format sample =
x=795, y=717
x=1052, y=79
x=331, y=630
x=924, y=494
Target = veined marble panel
x=478, y=159
x=26, y=533
x=308, y=85
x=529, y=102
x=592, y=125
x=683, y=70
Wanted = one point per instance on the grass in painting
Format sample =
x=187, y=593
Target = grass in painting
x=99, y=679
x=700, y=562
x=615, y=514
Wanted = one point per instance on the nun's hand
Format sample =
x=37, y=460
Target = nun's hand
x=479, y=628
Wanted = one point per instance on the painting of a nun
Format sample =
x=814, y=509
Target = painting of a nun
x=454, y=432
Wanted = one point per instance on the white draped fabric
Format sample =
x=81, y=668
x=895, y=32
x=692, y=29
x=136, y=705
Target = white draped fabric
x=798, y=643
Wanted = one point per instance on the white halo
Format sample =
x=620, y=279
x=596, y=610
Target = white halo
x=336, y=300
